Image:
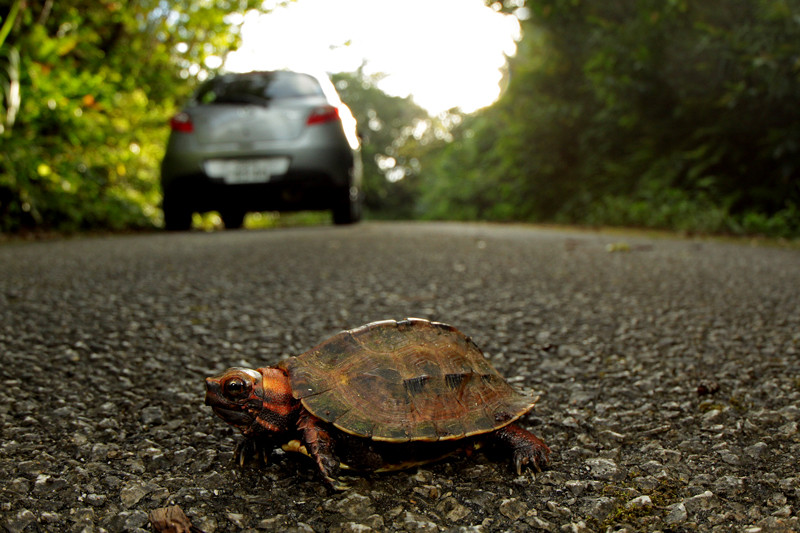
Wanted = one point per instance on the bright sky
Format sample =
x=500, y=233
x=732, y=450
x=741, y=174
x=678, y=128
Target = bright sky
x=445, y=53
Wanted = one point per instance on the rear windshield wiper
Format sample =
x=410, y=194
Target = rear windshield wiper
x=241, y=98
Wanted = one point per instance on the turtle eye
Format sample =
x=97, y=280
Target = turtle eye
x=235, y=388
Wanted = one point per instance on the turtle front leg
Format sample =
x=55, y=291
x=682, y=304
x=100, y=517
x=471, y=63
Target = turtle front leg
x=252, y=448
x=319, y=445
x=526, y=448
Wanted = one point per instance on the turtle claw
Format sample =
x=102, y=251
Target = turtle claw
x=336, y=484
x=250, y=449
x=519, y=460
x=533, y=458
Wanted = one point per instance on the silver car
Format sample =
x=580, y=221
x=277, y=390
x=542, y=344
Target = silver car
x=262, y=141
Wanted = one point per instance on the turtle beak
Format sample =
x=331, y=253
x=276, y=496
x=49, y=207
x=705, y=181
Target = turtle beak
x=212, y=391
x=239, y=419
x=214, y=397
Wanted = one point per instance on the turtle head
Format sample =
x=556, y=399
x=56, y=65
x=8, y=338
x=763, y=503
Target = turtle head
x=254, y=401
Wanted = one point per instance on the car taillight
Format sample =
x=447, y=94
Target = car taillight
x=323, y=114
x=181, y=122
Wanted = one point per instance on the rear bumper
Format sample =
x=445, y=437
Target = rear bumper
x=315, y=180
x=291, y=192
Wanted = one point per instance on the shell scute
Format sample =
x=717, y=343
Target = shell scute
x=407, y=380
x=331, y=405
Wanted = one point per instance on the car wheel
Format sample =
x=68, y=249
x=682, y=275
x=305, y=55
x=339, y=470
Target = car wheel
x=232, y=218
x=177, y=216
x=348, y=207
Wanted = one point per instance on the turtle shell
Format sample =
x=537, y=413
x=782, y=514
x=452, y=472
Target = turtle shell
x=403, y=381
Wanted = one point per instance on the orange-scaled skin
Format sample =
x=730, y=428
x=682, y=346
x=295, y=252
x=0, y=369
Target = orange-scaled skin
x=261, y=405
x=254, y=401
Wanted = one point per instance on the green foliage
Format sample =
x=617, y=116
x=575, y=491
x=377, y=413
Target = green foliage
x=97, y=80
x=673, y=114
x=455, y=184
x=390, y=127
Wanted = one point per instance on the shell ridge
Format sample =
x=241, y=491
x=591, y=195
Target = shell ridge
x=362, y=345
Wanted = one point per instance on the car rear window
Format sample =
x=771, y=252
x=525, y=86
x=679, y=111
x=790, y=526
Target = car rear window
x=256, y=87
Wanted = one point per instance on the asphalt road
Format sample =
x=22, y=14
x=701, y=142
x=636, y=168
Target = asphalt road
x=669, y=371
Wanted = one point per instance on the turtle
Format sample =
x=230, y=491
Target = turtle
x=385, y=396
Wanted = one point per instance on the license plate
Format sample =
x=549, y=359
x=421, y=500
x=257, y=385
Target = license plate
x=238, y=171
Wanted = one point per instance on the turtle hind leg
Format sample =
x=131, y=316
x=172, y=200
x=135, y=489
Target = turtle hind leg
x=319, y=445
x=526, y=448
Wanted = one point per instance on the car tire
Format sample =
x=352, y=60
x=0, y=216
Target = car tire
x=232, y=218
x=348, y=207
x=177, y=216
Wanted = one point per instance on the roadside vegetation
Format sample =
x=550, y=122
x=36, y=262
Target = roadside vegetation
x=678, y=115
x=673, y=115
x=86, y=90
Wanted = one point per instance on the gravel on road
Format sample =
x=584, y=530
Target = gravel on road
x=669, y=371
